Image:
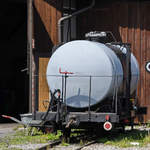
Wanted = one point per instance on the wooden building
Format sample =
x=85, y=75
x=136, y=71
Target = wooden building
x=128, y=20
x=13, y=81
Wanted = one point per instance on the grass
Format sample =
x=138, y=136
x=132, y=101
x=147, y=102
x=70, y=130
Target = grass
x=125, y=139
x=111, y=138
x=20, y=137
x=64, y=143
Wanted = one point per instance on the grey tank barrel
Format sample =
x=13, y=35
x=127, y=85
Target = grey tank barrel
x=88, y=60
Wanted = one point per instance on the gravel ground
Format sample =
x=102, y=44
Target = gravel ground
x=7, y=129
x=107, y=147
x=99, y=147
x=74, y=147
x=27, y=146
x=70, y=147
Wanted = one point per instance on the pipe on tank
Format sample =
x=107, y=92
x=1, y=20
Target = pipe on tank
x=70, y=16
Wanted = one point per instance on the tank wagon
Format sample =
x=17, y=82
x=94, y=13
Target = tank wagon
x=93, y=83
x=93, y=86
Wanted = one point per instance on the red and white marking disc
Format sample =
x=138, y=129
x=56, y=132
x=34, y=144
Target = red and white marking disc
x=107, y=126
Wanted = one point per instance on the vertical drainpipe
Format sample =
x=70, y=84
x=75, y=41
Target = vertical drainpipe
x=29, y=48
x=61, y=20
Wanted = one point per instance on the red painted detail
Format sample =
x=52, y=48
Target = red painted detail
x=65, y=72
x=58, y=94
x=8, y=117
x=107, y=125
x=126, y=121
x=107, y=117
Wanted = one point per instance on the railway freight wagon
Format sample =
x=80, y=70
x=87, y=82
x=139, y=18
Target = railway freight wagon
x=93, y=83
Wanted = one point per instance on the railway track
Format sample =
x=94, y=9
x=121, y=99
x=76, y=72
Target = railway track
x=56, y=143
x=51, y=145
x=90, y=143
x=88, y=139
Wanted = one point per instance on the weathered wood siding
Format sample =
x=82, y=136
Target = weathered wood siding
x=129, y=22
x=43, y=86
x=46, y=15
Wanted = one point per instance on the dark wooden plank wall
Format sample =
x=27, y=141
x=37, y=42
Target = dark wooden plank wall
x=43, y=92
x=129, y=22
x=46, y=15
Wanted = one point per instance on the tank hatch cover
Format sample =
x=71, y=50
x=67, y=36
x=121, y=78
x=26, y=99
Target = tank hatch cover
x=100, y=36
